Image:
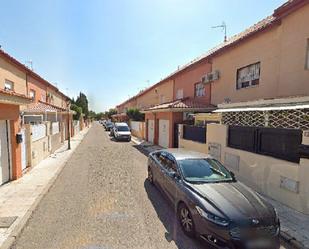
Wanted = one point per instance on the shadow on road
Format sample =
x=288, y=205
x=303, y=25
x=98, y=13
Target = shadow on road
x=167, y=216
x=141, y=149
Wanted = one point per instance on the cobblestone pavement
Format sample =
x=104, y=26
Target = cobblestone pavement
x=101, y=200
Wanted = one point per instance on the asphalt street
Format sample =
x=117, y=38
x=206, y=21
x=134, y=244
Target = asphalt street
x=102, y=200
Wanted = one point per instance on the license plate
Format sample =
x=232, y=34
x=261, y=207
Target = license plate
x=259, y=244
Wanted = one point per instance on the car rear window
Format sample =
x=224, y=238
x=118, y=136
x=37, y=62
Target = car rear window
x=123, y=128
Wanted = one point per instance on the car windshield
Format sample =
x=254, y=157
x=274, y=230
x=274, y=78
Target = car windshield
x=204, y=170
x=123, y=128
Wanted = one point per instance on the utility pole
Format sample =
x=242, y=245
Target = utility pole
x=224, y=28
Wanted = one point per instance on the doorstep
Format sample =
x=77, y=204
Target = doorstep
x=18, y=199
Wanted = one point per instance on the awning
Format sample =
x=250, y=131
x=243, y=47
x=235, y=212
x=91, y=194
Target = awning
x=120, y=116
x=12, y=98
x=42, y=107
x=279, y=104
x=181, y=105
x=271, y=108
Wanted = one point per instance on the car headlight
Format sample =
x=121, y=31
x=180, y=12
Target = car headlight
x=212, y=217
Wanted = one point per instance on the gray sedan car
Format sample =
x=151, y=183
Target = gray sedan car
x=211, y=203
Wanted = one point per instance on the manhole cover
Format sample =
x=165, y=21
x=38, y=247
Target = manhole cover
x=6, y=222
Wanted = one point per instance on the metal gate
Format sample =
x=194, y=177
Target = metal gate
x=24, y=162
x=4, y=153
x=176, y=136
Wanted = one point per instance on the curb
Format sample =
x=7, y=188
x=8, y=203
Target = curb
x=135, y=140
x=7, y=244
x=290, y=240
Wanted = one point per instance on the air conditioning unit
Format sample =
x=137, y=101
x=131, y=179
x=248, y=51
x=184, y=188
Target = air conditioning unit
x=215, y=75
x=210, y=77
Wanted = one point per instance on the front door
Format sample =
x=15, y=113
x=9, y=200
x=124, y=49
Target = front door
x=164, y=133
x=151, y=131
x=4, y=153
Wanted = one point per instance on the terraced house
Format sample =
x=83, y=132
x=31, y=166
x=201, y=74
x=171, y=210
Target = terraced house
x=256, y=85
x=33, y=114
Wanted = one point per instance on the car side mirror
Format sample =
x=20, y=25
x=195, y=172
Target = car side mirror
x=233, y=175
x=174, y=175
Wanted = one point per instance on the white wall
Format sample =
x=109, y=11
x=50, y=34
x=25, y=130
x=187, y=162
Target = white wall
x=279, y=179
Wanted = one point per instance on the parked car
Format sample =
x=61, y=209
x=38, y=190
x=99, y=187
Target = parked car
x=111, y=132
x=108, y=125
x=211, y=203
x=122, y=132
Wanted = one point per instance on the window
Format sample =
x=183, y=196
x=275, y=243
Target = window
x=307, y=56
x=9, y=85
x=162, y=99
x=179, y=94
x=199, y=90
x=32, y=94
x=168, y=162
x=248, y=76
x=122, y=128
x=43, y=97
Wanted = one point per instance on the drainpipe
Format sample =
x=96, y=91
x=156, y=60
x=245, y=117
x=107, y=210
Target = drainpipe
x=210, y=88
x=173, y=90
x=27, y=87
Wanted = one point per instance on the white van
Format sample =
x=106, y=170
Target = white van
x=122, y=132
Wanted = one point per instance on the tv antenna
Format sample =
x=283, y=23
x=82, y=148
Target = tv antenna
x=30, y=62
x=223, y=27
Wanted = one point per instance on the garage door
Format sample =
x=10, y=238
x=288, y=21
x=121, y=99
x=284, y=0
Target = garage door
x=150, y=131
x=4, y=153
x=164, y=133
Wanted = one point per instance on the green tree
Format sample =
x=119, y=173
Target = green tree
x=111, y=112
x=100, y=116
x=78, y=111
x=135, y=115
x=82, y=102
x=92, y=115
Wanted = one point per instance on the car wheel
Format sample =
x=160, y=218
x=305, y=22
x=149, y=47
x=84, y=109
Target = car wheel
x=186, y=220
x=150, y=175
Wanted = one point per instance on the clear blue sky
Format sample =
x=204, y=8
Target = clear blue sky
x=110, y=49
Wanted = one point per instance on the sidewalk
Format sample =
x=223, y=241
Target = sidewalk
x=18, y=199
x=144, y=146
x=294, y=225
